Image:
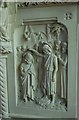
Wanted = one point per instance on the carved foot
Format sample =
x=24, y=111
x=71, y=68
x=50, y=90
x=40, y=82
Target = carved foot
x=25, y=100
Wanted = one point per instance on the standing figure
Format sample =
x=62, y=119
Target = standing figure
x=57, y=49
x=63, y=60
x=50, y=71
x=28, y=77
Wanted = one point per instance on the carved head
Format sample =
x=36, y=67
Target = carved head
x=28, y=58
x=63, y=47
x=47, y=48
x=57, y=45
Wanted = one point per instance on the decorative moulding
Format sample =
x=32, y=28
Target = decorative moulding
x=42, y=4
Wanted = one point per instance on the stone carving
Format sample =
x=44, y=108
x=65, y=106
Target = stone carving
x=27, y=4
x=50, y=70
x=41, y=3
x=3, y=4
x=49, y=89
x=5, y=46
x=63, y=60
x=28, y=76
x=27, y=33
x=3, y=87
x=61, y=53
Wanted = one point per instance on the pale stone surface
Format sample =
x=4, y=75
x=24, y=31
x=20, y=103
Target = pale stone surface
x=6, y=21
x=51, y=1
x=41, y=0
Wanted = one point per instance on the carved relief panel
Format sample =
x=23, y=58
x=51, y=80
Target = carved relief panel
x=42, y=63
x=40, y=79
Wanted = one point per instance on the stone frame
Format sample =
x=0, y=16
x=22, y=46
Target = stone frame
x=15, y=111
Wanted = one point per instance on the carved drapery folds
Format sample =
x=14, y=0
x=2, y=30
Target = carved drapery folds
x=5, y=49
x=43, y=66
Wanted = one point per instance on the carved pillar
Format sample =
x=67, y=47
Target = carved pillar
x=3, y=86
x=3, y=82
x=8, y=16
x=5, y=49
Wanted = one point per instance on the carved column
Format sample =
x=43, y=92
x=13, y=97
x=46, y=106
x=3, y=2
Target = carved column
x=3, y=86
x=5, y=49
x=8, y=16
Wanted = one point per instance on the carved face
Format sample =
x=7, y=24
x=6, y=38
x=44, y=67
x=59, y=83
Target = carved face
x=28, y=58
x=47, y=49
x=57, y=46
x=63, y=47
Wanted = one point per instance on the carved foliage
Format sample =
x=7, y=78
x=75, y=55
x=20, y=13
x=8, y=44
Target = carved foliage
x=28, y=4
x=5, y=44
x=43, y=3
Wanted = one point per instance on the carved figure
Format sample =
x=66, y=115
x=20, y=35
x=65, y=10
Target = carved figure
x=47, y=55
x=61, y=53
x=63, y=60
x=50, y=71
x=28, y=76
x=57, y=47
x=57, y=50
